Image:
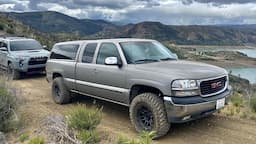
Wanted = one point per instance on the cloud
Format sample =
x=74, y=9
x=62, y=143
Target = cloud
x=13, y=5
x=20, y=7
x=226, y=1
x=219, y=2
x=195, y=13
x=181, y=12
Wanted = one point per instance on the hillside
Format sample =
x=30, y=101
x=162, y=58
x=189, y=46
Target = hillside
x=245, y=26
x=199, y=35
x=11, y=27
x=55, y=23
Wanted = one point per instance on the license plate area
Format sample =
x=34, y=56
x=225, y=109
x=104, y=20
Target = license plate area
x=220, y=103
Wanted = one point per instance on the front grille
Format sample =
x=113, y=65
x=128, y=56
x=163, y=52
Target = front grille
x=213, y=86
x=36, y=69
x=37, y=60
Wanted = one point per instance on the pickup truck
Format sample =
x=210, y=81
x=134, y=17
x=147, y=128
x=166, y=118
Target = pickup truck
x=141, y=74
x=22, y=55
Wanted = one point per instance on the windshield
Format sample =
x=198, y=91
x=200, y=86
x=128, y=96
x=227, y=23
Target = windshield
x=141, y=52
x=25, y=45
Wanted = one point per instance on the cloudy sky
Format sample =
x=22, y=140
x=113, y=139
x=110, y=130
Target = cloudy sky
x=176, y=12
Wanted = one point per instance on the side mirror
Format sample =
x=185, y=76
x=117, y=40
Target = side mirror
x=113, y=61
x=176, y=56
x=44, y=47
x=3, y=49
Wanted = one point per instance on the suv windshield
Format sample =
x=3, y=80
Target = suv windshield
x=149, y=51
x=25, y=45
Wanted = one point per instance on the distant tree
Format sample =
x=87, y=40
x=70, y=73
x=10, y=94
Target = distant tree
x=10, y=31
x=1, y=26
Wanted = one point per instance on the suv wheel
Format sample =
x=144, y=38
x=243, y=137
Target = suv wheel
x=60, y=93
x=147, y=113
x=12, y=73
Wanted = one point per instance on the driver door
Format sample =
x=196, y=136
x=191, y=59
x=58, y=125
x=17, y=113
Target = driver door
x=110, y=79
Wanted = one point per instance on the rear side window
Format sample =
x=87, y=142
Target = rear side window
x=2, y=44
x=65, y=52
x=89, y=52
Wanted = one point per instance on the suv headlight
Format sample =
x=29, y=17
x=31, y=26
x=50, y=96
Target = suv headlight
x=185, y=88
x=18, y=58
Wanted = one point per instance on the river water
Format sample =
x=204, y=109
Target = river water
x=246, y=73
x=249, y=52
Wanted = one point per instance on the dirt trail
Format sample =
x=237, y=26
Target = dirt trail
x=216, y=129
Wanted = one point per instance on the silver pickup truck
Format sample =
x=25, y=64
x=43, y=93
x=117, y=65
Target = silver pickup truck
x=141, y=74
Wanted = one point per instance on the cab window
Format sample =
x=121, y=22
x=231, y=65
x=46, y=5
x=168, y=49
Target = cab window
x=3, y=44
x=67, y=52
x=106, y=50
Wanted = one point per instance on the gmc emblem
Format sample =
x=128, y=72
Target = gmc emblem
x=216, y=85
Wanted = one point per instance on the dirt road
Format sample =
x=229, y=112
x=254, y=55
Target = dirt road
x=37, y=104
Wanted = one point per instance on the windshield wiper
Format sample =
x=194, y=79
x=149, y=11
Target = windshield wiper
x=146, y=60
x=166, y=59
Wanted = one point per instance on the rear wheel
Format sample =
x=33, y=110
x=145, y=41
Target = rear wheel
x=12, y=73
x=60, y=93
x=147, y=113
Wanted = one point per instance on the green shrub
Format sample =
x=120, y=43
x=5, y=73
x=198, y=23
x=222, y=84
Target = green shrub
x=1, y=26
x=145, y=138
x=253, y=104
x=10, y=31
x=88, y=136
x=82, y=118
x=23, y=137
x=237, y=100
x=36, y=140
x=7, y=107
x=177, y=51
x=244, y=115
x=253, y=117
x=122, y=140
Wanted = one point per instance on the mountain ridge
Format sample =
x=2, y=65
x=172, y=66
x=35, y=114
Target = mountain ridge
x=57, y=23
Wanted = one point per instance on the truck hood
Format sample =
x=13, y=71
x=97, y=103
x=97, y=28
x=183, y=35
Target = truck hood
x=179, y=69
x=31, y=53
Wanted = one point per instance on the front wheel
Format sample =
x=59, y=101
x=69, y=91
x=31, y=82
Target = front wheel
x=12, y=73
x=60, y=93
x=147, y=113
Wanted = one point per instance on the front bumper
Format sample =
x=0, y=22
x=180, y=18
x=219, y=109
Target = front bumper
x=185, y=109
x=25, y=67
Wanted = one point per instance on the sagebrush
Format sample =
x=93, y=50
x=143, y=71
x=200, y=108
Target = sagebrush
x=7, y=107
x=82, y=118
x=253, y=104
x=36, y=140
x=237, y=99
x=145, y=138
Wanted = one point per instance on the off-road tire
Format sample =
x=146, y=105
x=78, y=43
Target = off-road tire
x=12, y=73
x=60, y=93
x=155, y=104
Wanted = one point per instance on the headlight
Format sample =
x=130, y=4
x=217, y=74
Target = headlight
x=21, y=58
x=184, y=85
x=185, y=88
